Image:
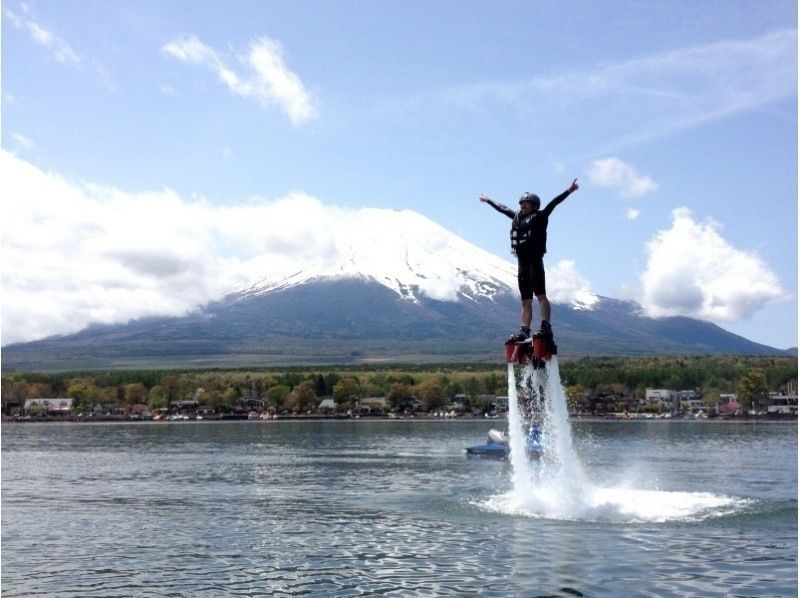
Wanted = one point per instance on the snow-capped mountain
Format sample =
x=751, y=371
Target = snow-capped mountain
x=388, y=284
x=405, y=252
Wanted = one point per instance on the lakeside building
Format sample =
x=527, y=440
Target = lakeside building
x=187, y=408
x=372, y=405
x=783, y=404
x=59, y=406
x=327, y=405
x=727, y=404
x=500, y=404
x=689, y=400
x=610, y=403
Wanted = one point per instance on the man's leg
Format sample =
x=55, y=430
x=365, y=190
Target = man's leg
x=525, y=280
x=544, y=308
x=527, y=312
x=538, y=283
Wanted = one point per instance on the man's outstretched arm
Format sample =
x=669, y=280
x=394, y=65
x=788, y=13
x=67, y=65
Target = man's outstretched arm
x=498, y=206
x=559, y=198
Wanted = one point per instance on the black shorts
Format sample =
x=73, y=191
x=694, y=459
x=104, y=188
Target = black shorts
x=530, y=276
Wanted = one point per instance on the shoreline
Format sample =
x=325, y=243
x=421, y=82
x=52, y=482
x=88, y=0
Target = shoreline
x=778, y=418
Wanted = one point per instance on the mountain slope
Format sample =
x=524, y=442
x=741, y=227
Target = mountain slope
x=344, y=320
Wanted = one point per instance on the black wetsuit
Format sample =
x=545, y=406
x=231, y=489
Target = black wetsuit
x=529, y=244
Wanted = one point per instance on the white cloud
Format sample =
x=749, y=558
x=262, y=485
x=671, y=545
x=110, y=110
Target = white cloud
x=636, y=100
x=616, y=174
x=23, y=142
x=268, y=80
x=77, y=254
x=632, y=214
x=693, y=271
x=192, y=50
x=58, y=48
x=566, y=285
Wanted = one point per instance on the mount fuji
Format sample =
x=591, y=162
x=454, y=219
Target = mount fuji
x=386, y=285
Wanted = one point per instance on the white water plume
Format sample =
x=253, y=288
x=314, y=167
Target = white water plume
x=521, y=478
x=555, y=486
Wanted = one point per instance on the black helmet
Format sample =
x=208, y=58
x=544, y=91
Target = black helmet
x=531, y=197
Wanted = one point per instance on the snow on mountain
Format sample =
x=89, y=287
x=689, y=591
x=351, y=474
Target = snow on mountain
x=407, y=253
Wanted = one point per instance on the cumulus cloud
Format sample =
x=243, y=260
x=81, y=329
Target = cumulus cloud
x=693, y=271
x=267, y=79
x=566, y=285
x=57, y=47
x=616, y=174
x=632, y=214
x=78, y=254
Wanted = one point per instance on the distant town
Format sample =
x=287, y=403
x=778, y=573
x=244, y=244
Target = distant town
x=612, y=387
x=658, y=404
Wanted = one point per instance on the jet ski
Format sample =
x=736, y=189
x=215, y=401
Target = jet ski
x=496, y=445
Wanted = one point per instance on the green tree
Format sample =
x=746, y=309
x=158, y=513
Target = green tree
x=84, y=393
x=320, y=387
x=472, y=387
x=432, y=395
x=216, y=400
x=398, y=395
x=156, y=401
x=302, y=398
x=229, y=398
x=259, y=386
x=157, y=393
x=172, y=387
x=751, y=386
x=346, y=392
x=710, y=396
x=135, y=393
x=576, y=394
x=276, y=397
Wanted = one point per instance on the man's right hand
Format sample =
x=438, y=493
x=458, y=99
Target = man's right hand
x=484, y=199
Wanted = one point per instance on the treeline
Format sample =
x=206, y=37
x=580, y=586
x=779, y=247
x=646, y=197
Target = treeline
x=299, y=389
x=633, y=375
x=294, y=390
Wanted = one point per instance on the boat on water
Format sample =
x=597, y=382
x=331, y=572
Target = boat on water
x=496, y=445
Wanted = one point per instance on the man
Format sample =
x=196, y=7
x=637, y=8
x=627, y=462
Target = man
x=529, y=244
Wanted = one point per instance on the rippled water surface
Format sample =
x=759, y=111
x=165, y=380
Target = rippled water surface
x=350, y=508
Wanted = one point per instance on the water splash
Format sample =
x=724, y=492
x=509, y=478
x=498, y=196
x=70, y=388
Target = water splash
x=556, y=486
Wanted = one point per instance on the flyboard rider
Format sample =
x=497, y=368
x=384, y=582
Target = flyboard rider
x=529, y=244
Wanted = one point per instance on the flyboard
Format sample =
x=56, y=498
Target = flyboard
x=536, y=350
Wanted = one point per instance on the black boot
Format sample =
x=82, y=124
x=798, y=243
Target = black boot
x=523, y=335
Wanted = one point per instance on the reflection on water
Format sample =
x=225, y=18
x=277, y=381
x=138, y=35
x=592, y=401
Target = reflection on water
x=370, y=508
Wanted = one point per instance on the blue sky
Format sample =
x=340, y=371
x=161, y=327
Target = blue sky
x=678, y=118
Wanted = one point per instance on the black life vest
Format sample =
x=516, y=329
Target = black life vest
x=521, y=229
x=529, y=233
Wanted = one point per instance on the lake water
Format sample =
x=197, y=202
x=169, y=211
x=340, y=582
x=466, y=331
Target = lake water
x=348, y=508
